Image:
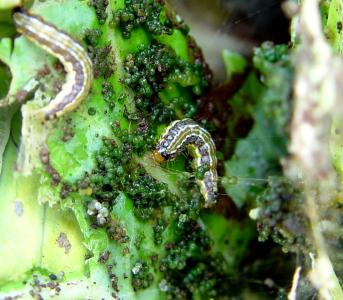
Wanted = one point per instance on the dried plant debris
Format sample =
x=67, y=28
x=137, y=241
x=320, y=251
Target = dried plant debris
x=317, y=92
x=318, y=103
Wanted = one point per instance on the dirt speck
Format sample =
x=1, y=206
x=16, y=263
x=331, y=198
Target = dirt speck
x=45, y=159
x=63, y=242
x=18, y=208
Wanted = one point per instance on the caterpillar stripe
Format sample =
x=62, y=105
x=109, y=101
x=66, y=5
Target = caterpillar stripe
x=187, y=134
x=71, y=54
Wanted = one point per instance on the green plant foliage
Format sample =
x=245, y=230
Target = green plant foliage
x=265, y=97
x=333, y=25
x=120, y=225
x=85, y=211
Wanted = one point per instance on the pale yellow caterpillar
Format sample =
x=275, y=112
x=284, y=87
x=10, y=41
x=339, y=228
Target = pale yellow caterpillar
x=187, y=134
x=71, y=54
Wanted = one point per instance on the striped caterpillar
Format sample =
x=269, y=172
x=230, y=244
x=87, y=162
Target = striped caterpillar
x=187, y=134
x=71, y=54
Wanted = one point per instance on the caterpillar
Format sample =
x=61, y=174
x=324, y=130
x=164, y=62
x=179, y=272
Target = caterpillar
x=187, y=134
x=71, y=54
